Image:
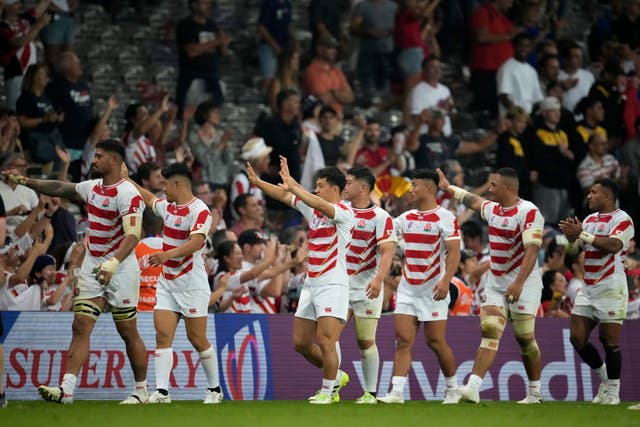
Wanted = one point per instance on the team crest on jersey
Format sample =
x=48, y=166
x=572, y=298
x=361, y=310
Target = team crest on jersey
x=505, y=222
x=427, y=227
x=361, y=224
x=600, y=228
x=178, y=222
x=105, y=203
x=409, y=225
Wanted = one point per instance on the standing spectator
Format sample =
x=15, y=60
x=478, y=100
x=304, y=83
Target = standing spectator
x=372, y=154
x=149, y=176
x=549, y=72
x=592, y=113
x=552, y=163
x=38, y=118
x=335, y=149
x=597, y=163
x=514, y=146
x=256, y=153
x=18, y=30
x=576, y=80
x=372, y=21
x=274, y=28
x=323, y=79
x=70, y=94
x=430, y=93
x=286, y=76
x=517, y=81
x=490, y=48
x=250, y=213
x=607, y=90
x=18, y=199
x=199, y=42
x=57, y=36
x=324, y=19
x=210, y=144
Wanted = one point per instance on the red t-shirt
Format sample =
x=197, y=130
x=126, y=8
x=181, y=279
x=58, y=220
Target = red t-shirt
x=490, y=56
x=371, y=159
x=407, y=33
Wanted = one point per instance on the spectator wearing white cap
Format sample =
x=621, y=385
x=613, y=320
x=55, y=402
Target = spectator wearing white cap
x=552, y=164
x=256, y=152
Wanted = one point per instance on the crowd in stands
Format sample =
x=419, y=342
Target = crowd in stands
x=561, y=109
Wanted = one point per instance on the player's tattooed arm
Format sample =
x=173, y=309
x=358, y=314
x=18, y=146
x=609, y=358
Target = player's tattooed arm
x=66, y=190
x=473, y=201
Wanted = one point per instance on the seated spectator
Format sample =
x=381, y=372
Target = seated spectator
x=256, y=153
x=70, y=93
x=38, y=118
x=18, y=30
x=276, y=35
x=55, y=296
x=149, y=176
x=250, y=213
x=513, y=147
x=554, y=302
x=139, y=148
x=324, y=80
x=549, y=71
x=294, y=237
x=627, y=25
x=517, y=81
x=597, y=163
x=210, y=144
x=286, y=76
x=576, y=80
x=434, y=148
x=18, y=200
x=454, y=172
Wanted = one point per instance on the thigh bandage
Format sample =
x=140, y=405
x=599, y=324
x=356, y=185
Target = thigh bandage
x=87, y=308
x=123, y=313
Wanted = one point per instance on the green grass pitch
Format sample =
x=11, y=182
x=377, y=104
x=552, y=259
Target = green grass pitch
x=302, y=414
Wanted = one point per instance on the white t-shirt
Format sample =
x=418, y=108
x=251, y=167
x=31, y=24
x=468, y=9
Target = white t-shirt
x=575, y=94
x=423, y=95
x=520, y=81
x=12, y=198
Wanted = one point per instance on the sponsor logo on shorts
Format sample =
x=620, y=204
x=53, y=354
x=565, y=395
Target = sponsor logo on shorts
x=126, y=301
x=435, y=314
x=368, y=312
x=193, y=311
x=521, y=307
x=612, y=313
x=328, y=309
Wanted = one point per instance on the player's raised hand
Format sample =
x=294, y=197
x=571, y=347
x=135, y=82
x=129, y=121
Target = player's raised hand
x=443, y=182
x=287, y=180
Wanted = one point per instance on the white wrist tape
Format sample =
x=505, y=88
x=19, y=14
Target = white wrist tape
x=588, y=238
x=458, y=193
x=110, y=265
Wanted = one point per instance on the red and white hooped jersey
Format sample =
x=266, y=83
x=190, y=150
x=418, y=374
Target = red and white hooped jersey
x=180, y=222
x=425, y=233
x=240, y=304
x=506, y=247
x=106, y=206
x=602, y=268
x=373, y=226
x=328, y=243
x=138, y=151
x=241, y=185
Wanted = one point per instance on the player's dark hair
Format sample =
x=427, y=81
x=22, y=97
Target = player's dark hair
x=283, y=96
x=241, y=202
x=129, y=114
x=177, y=168
x=327, y=109
x=363, y=174
x=520, y=38
x=471, y=229
x=428, y=174
x=145, y=170
x=610, y=185
x=333, y=176
x=511, y=174
x=112, y=146
x=202, y=111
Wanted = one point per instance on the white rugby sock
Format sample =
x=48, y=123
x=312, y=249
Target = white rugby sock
x=370, y=365
x=613, y=387
x=140, y=387
x=534, y=386
x=339, y=353
x=451, y=382
x=397, y=385
x=209, y=361
x=327, y=386
x=602, y=372
x=68, y=383
x=475, y=382
x=163, y=363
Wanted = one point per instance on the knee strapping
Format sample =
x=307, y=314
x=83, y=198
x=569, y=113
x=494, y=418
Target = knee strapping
x=366, y=329
x=124, y=313
x=524, y=330
x=369, y=352
x=492, y=327
x=87, y=308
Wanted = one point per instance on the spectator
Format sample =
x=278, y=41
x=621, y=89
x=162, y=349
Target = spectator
x=286, y=76
x=434, y=148
x=627, y=25
x=490, y=48
x=276, y=36
x=517, y=81
x=18, y=200
x=210, y=144
x=250, y=213
x=592, y=113
x=324, y=80
x=200, y=42
x=549, y=71
x=406, y=162
x=574, y=262
x=324, y=19
x=18, y=30
x=430, y=93
x=533, y=25
x=552, y=162
x=256, y=153
x=514, y=147
x=63, y=222
x=55, y=296
x=372, y=21
x=100, y=131
x=335, y=149
x=150, y=244
x=554, y=302
x=71, y=94
x=57, y=36
x=606, y=89
x=149, y=176
x=38, y=117
x=9, y=132
x=597, y=163
x=139, y=148
x=282, y=132
x=576, y=80
x=372, y=154
x=294, y=237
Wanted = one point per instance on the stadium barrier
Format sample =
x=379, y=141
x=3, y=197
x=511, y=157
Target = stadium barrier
x=257, y=361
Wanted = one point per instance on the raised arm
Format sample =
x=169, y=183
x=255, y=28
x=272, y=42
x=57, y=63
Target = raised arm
x=470, y=200
x=270, y=253
x=145, y=126
x=66, y=190
x=112, y=104
x=273, y=191
x=311, y=200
